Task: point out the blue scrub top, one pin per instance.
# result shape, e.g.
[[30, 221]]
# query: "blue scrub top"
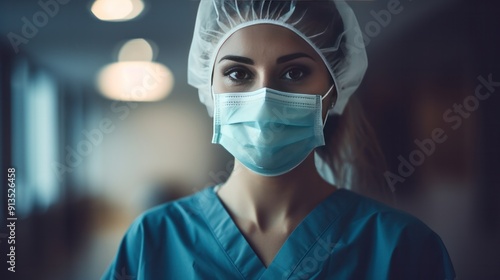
[[347, 236]]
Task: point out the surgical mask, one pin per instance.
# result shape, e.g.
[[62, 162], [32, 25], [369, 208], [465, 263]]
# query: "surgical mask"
[[270, 132]]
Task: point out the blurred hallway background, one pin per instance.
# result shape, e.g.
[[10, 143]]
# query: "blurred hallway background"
[[87, 163]]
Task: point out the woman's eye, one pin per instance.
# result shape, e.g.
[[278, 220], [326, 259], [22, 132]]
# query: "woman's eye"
[[237, 74], [294, 74]]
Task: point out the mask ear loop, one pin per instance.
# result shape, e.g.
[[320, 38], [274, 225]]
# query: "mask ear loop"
[[331, 106], [212, 93]]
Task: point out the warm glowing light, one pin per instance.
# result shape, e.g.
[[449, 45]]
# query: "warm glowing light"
[[117, 10], [136, 49], [137, 8], [135, 81]]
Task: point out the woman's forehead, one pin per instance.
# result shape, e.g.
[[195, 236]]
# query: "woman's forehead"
[[265, 41]]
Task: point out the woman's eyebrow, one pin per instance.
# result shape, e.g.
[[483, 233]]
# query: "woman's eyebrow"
[[292, 56], [236, 58]]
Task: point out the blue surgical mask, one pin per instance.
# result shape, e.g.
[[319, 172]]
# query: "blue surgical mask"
[[270, 132]]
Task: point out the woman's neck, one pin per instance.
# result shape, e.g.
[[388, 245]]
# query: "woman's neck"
[[271, 202]]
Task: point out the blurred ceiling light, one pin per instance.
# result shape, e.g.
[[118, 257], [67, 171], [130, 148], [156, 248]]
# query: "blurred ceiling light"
[[137, 8], [135, 77], [117, 10], [136, 49], [135, 81]]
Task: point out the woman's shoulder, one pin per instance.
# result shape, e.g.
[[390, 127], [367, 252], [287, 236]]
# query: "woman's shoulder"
[[410, 243], [382, 216], [177, 211]]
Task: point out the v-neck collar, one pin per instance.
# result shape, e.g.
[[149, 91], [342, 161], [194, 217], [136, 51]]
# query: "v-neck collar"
[[296, 246]]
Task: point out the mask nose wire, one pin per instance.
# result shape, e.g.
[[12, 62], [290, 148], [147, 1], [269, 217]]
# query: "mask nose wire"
[[322, 98]]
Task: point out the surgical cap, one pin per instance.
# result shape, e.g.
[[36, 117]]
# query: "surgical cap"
[[328, 26]]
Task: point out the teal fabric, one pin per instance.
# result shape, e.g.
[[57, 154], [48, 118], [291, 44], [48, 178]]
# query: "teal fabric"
[[347, 236]]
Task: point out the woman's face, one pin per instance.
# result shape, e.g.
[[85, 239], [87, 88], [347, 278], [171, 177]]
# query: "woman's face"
[[266, 55]]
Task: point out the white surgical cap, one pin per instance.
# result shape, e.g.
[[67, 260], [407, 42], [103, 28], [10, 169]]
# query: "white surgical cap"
[[343, 52]]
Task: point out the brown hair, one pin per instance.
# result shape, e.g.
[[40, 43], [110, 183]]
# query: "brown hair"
[[353, 153]]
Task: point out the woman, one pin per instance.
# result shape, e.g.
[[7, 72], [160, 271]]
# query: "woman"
[[270, 73]]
